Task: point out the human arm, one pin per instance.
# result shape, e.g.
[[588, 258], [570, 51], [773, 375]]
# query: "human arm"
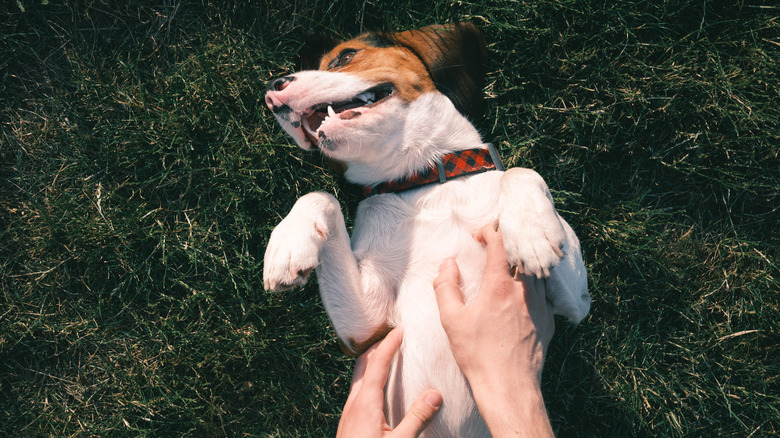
[[363, 415], [499, 341]]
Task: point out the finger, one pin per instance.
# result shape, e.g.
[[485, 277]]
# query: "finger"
[[360, 365], [357, 375], [419, 414], [494, 248], [447, 288], [379, 357]]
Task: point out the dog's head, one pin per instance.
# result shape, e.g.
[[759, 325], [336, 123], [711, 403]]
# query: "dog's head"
[[358, 100]]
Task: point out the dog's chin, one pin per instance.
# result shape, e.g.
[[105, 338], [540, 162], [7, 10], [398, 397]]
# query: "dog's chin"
[[309, 141], [317, 141], [327, 145]]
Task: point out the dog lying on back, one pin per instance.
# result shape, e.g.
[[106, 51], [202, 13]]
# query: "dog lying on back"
[[392, 107]]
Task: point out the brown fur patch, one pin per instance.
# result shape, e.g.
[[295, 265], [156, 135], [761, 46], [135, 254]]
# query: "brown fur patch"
[[396, 65], [449, 58], [455, 56], [360, 348]]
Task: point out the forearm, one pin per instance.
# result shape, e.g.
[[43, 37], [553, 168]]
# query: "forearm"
[[511, 407]]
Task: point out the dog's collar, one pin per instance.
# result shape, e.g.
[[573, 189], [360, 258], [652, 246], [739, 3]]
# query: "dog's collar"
[[447, 167]]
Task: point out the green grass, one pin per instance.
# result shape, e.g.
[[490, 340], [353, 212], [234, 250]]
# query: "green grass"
[[141, 175]]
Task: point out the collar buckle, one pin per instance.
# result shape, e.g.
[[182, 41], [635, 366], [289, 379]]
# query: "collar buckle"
[[442, 172]]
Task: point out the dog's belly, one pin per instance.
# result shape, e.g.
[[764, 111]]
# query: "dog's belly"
[[425, 361], [441, 229]]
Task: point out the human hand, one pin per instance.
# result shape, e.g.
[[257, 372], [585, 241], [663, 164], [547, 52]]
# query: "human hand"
[[509, 324], [363, 414], [499, 341]]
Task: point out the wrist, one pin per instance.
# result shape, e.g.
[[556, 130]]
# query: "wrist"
[[511, 387], [511, 405], [494, 377]]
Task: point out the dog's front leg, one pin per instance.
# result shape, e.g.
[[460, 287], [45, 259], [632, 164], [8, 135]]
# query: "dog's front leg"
[[540, 243], [534, 237], [313, 236]]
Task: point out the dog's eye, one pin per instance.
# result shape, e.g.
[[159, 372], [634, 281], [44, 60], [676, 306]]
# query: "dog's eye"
[[344, 58]]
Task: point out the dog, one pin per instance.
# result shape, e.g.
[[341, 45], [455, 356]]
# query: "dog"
[[393, 108]]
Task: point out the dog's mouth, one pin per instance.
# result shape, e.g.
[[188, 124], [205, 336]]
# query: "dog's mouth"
[[344, 110]]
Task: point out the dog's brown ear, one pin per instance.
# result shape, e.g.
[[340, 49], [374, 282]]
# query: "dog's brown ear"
[[313, 47], [456, 57]]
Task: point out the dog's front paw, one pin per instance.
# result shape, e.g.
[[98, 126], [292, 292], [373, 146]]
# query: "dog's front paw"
[[293, 252], [534, 248], [533, 234]]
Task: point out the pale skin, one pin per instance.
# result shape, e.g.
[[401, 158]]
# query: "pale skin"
[[363, 415], [499, 341]]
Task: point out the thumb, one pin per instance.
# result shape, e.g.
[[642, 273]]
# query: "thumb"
[[419, 415]]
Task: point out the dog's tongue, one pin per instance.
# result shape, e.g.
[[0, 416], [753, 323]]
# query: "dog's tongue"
[[317, 117], [315, 120], [348, 114]]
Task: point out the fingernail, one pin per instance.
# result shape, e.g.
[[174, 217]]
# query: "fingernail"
[[446, 263], [433, 398]]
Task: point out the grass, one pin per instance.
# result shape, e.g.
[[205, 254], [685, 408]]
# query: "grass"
[[141, 175]]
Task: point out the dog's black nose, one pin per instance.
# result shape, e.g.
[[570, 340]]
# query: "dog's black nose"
[[275, 99], [281, 83]]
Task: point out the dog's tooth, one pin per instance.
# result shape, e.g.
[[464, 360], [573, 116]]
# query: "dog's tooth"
[[366, 97], [331, 112]]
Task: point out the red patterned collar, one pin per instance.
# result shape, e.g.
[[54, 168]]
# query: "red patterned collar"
[[449, 166]]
